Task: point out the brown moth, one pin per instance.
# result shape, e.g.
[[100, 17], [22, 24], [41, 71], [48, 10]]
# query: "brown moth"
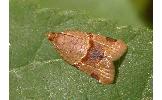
[[90, 53]]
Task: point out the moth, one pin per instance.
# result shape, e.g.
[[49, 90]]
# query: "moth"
[[91, 53]]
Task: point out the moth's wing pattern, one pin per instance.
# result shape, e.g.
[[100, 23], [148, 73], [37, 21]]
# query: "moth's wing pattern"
[[114, 49], [105, 71]]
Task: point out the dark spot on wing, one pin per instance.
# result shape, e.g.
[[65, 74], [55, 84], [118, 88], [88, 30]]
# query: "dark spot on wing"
[[95, 54]]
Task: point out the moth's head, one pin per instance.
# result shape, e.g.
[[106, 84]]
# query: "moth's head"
[[52, 35]]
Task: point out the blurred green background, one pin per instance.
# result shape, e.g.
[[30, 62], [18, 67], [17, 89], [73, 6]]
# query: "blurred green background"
[[125, 12]]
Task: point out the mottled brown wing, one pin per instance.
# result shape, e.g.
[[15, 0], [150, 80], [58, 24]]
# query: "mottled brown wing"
[[97, 65], [71, 47], [90, 53], [104, 71]]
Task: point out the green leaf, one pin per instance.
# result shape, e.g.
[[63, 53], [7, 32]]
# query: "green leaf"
[[38, 73]]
